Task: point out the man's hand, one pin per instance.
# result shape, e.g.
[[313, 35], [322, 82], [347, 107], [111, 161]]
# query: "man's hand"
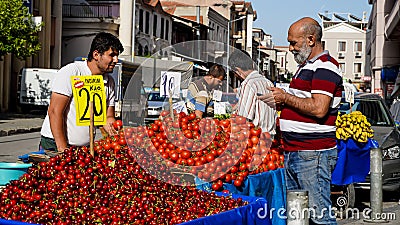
[[62, 150], [109, 127], [274, 98]]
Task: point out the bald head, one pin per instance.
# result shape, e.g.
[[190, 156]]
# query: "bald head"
[[307, 26]]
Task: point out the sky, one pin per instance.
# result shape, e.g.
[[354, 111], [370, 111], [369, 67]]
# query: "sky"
[[275, 16]]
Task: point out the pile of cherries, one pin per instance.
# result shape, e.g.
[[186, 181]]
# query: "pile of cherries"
[[109, 188]]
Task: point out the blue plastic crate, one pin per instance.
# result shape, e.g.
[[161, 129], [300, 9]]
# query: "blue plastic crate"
[[12, 171]]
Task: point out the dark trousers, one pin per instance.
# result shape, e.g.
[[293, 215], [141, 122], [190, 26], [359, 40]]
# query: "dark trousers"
[[47, 143]]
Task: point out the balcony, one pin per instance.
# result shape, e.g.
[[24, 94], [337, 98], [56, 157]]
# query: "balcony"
[[87, 11]]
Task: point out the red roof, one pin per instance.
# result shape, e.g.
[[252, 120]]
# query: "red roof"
[[170, 6], [173, 3], [151, 2], [193, 18]]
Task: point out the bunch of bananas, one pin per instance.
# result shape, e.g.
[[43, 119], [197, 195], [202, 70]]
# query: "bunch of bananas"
[[353, 125]]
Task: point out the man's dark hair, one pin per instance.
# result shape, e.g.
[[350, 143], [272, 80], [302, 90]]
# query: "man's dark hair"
[[102, 42], [240, 59], [217, 71]]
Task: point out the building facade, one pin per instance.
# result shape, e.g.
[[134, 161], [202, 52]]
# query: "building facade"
[[345, 37], [286, 64], [70, 25], [149, 33], [384, 45]]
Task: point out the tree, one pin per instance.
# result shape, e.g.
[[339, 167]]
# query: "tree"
[[18, 32]]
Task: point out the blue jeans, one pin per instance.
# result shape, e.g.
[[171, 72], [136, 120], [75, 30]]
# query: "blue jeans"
[[311, 171]]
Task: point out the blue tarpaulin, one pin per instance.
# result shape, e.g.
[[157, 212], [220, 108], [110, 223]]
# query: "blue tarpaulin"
[[269, 185], [353, 161], [12, 222], [255, 213]]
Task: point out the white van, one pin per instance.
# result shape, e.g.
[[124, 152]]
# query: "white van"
[[35, 87]]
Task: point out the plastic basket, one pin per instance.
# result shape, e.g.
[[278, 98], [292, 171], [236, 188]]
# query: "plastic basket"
[[12, 171]]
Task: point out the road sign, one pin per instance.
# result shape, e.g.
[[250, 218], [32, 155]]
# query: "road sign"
[[28, 4], [86, 89]]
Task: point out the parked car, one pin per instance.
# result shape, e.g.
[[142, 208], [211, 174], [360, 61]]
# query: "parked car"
[[155, 103], [386, 134]]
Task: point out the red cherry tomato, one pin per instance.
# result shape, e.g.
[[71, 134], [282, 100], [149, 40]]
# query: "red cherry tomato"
[[117, 124]]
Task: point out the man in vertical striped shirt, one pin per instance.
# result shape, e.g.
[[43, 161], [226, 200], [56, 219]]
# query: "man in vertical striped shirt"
[[253, 83], [307, 120]]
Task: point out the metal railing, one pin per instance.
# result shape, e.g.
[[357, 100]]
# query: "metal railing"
[[87, 11]]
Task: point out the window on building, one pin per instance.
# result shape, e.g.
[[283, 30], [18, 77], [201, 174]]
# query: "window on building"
[[141, 20], [341, 46], [357, 67], [218, 34], [214, 33], [342, 67], [162, 28], [140, 50], [239, 26], [166, 29], [282, 62], [147, 28], [358, 46], [155, 25]]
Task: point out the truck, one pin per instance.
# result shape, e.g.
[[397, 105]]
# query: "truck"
[[35, 88]]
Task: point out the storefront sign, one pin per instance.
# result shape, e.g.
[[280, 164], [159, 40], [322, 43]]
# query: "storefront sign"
[[378, 91], [28, 4], [366, 78]]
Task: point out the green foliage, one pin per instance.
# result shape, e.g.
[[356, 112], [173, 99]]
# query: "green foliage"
[[18, 33]]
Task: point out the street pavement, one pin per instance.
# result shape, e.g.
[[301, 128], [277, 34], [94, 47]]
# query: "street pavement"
[[18, 124]]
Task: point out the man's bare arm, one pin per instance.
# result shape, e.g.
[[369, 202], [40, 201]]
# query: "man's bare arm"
[[317, 105], [198, 113], [58, 104]]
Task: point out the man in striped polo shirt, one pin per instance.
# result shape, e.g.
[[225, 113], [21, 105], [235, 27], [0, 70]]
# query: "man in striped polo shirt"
[[253, 83], [307, 120]]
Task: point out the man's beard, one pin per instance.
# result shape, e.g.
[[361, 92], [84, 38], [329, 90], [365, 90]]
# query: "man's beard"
[[301, 56]]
